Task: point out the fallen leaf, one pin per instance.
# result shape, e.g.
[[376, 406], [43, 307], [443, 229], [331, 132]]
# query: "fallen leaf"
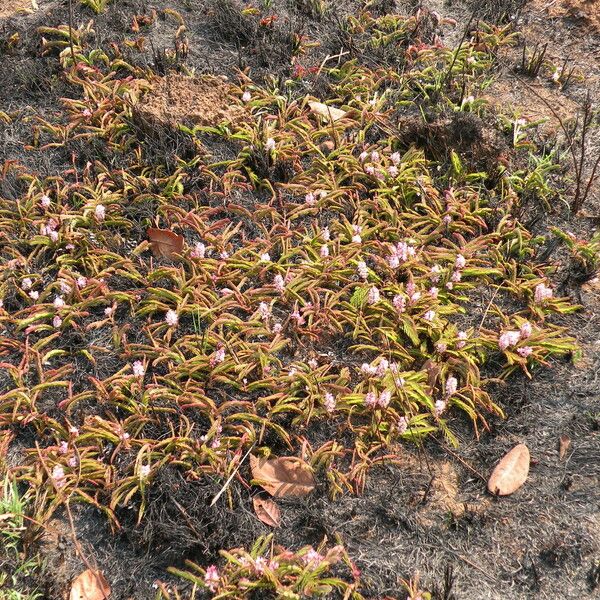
[[164, 242], [283, 477], [267, 511], [564, 443], [511, 472], [330, 112], [90, 585]]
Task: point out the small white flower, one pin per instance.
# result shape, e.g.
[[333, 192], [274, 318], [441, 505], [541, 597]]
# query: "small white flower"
[[56, 322], [138, 368], [373, 295], [199, 250], [451, 385], [526, 330], [264, 310], [429, 315], [363, 156], [374, 156], [108, 311], [34, 295], [542, 293], [270, 145], [393, 171], [279, 283], [246, 96], [329, 402], [171, 318], [440, 407], [26, 284], [460, 262], [402, 425], [144, 471], [58, 475], [325, 234], [265, 257], [100, 212], [361, 269], [45, 201], [508, 338], [310, 199], [81, 282], [324, 252], [58, 302], [395, 158], [385, 398]]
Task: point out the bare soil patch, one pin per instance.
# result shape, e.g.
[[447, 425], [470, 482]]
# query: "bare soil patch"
[[12, 7], [199, 101]]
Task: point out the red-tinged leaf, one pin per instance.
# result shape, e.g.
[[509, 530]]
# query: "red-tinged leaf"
[[164, 242], [511, 472], [267, 511], [90, 585], [283, 477]]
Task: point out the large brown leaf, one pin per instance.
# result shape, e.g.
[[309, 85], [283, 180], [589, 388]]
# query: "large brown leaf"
[[267, 511], [511, 472], [164, 242], [90, 585], [283, 477]]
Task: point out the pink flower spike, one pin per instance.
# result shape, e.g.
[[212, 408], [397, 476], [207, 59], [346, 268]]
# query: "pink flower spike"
[[362, 271], [525, 351], [100, 212], [34, 295], [138, 368], [26, 284], [246, 96], [211, 578], [45, 201], [526, 330], [329, 402], [58, 302], [460, 262], [279, 283], [373, 295], [371, 399], [81, 282], [508, 338], [440, 407], [56, 322], [310, 199], [402, 425], [58, 475], [542, 293], [324, 252], [385, 398], [399, 303], [451, 385], [429, 315], [199, 250], [270, 145], [395, 158]]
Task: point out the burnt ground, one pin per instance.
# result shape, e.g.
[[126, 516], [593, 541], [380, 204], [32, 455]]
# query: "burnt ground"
[[430, 513]]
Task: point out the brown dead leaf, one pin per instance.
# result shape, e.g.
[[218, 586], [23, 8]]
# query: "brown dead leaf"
[[283, 477], [164, 242], [267, 511], [511, 472], [90, 585], [564, 443], [329, 112]]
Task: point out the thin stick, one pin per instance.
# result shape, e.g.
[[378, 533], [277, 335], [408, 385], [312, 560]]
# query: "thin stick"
[[226, 485], [71, 31]]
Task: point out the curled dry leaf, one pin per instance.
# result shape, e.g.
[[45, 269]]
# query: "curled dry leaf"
[[564, 443], [164, 242], [267, 511], [329, 112], [511, 472], [90, 585], [283, 477]]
